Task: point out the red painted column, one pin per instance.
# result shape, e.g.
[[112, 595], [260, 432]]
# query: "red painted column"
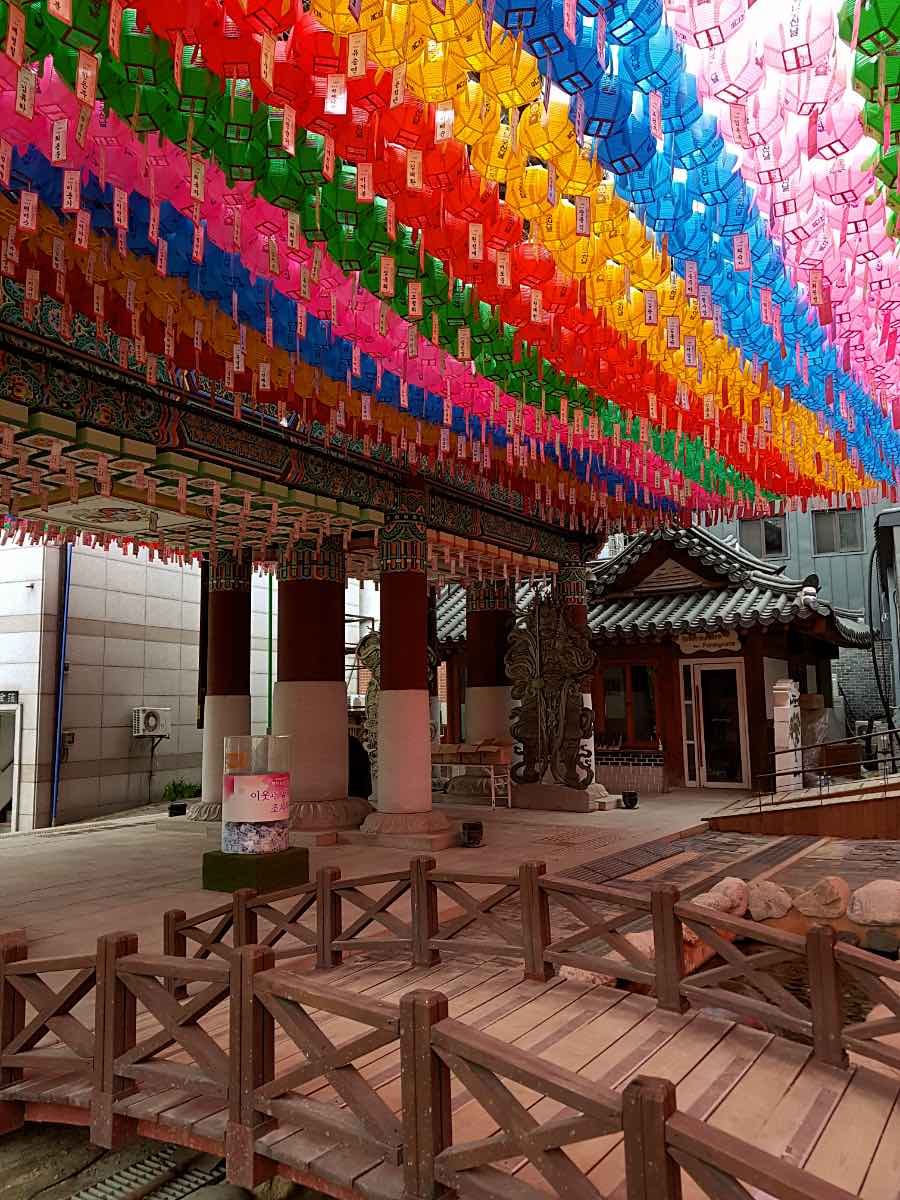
[[489, 615], [226, 710], [310, 695], [405, 816]]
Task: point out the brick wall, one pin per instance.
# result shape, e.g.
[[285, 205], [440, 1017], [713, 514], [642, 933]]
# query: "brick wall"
[[853, 672], [631, 770]]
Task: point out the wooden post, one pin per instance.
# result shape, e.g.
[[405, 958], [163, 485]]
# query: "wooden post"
[[243, 918], [825, 996], [423, 899], [668, 947], [328, 918], [13, 948], [535, 909], [425, 1092], [650, 1172], [115, 1031], [252, 1064], [175, 946]]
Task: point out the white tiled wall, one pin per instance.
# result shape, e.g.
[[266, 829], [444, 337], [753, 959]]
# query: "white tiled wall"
[[133, 640]]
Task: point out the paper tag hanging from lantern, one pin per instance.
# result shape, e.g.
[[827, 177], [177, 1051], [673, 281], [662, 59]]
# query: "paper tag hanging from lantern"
[[114, 28], [328, 160], [265, 377], [741, 251], [293, 231], [414, 303], [82, 229], [655, 107], [583, 216], [196, 245], [336, 95], [537, 308], [718, 327], [386, 272], [357, 55], [26, 86], [398, 85], [14, 46], [464, 342], [198, 179], [59, 137], [162, 257], [673, 333], [61, 9], [476, 241], [705, 301], [690, 350], [765, 305], [289, 130], [504, 270], [32, 285], [86, 79], [28, 211], [414, 175], [691, 278], [570, 26], [443, 122], [365, 185], [153, 224], [6, 155], [651, 307]]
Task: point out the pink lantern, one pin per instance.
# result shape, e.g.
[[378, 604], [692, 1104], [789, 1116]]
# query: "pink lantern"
[[817, 253], [838, 130], [731, 73], [789, 196], [706, 23], [869, 246], [844, 183], [805, 39], [773, 162], [808, 92], [763, 121], [799, 227]]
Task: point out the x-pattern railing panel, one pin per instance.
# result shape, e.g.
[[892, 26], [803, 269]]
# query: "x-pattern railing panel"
[[478, 915], [146, 978], [863, 1037], [210, 941], [52, 1017], [360, 1116], [287, 922], [375, 910], [601, 928], [485, 1066], [768, 996]]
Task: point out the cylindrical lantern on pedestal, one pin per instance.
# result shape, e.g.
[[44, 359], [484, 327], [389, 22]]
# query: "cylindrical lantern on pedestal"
[[256, 794]]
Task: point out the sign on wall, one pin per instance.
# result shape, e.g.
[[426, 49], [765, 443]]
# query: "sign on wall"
[[708, 643], [9, 697]]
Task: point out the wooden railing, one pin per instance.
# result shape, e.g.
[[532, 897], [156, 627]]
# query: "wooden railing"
[[543, 1120], [521, 916]]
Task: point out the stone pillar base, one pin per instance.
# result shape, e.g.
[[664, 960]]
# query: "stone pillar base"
[[405, 831], [327, 816]]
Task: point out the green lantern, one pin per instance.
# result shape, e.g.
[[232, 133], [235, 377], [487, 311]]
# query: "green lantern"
[[879, 24]]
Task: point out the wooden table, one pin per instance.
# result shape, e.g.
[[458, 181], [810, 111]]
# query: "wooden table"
[[494, 758]]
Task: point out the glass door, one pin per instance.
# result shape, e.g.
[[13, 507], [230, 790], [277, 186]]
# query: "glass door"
[[714, 723]]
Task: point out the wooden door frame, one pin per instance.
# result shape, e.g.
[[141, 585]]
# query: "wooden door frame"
[[696, 667]]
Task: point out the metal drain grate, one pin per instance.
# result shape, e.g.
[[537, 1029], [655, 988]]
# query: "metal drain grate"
[[166, 1174]]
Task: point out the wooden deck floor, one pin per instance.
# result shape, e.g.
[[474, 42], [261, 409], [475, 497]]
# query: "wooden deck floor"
[[843, 1126]]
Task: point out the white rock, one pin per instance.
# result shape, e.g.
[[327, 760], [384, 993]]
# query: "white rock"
[[876, 903], [768, 900], [827, 899], [735, 891]]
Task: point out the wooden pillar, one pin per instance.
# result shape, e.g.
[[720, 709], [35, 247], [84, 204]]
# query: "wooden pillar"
[[115, 1031], [226, 709], [404, 733], [425, 1091], [650, 1172], [310, 695], [252, 1064], [13, 949], [489, 614], [454, 698]]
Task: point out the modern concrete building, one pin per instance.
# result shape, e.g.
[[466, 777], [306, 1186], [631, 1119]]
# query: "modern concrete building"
[[132, 641]]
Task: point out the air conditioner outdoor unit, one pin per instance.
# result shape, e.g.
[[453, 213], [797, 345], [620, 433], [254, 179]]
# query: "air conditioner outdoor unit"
[[151, 722]]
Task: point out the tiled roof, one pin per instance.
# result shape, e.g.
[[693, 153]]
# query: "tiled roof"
[[758, 594]]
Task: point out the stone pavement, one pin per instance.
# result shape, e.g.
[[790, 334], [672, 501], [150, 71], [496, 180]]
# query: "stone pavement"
[[66, 887]]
